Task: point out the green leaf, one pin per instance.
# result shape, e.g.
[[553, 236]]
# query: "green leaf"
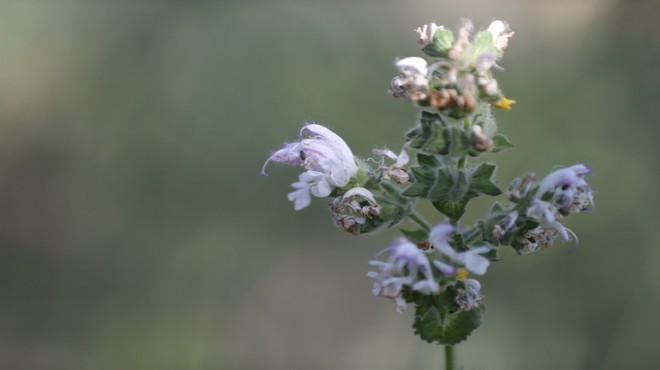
[[430, 136], [427, 160], [461, 143], [500, 143], [424, 174], [480, 180], [438, 320], [452, 209], [417, 190], [496, 208], [440, 44], [483, 42], [450, 194]]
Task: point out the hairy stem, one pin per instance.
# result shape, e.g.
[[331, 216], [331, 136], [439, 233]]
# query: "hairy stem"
[[420, 221]]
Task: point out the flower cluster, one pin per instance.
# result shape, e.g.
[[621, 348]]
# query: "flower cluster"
[[534, 223], [432, 268], [428, 268], [460, 76], [328, 161], [361, 202]]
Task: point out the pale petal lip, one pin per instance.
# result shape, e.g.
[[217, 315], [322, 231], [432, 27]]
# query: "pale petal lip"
[[440, 234], [412, 66]]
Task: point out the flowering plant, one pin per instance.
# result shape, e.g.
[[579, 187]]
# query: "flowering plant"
[[429, 266]]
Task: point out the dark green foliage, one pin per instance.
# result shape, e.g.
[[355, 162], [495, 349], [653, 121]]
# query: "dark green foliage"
[[439, 320]]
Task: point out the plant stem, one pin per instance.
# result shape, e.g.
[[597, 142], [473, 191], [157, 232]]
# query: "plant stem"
[[420, 221], [461, 163], [450, 361]]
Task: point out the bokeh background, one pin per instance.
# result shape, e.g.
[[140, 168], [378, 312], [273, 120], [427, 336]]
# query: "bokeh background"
[[135, 232]]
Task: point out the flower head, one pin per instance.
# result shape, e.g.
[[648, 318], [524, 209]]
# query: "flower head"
[[501, 34], [412, 82], [570, 192], [395, 172], [351, 210], [326, 157], [406, 266], [461, 77], [468, 296], [471, 259], [426, 32]]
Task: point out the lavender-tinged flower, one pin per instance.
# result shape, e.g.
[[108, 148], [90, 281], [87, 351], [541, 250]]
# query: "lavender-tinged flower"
[[468, 297], [520, 188], [564, 190], [352, 209], [326, 157], [547, 216], [395, 172], [505, 225], [407, 266], [471, 259], [570, 192]]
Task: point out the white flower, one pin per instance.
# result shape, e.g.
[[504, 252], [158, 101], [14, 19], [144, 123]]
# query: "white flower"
[[471, 259], [326, 157], [412, 82], [403, 267], [501, 34], [426, 32], [547, 216], [395, 172], [352, 209], [412, 66]]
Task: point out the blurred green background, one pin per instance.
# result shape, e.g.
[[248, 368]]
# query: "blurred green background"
[[136, 233]]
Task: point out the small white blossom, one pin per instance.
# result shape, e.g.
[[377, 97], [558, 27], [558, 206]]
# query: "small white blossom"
[[481, 141], [547, 216], [326, 157], [462, 42], [426, 32], [501, 34], [412, 66], [506, 224], [471, 259], [412, 82], [395, 172], [352, 209], [407, 266]]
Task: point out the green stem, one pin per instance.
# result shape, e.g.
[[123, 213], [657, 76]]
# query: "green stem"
[[420, 221], [461, 163], [450, 360]]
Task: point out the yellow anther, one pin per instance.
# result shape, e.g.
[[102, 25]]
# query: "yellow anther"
[[461, 273], [504, 103]]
